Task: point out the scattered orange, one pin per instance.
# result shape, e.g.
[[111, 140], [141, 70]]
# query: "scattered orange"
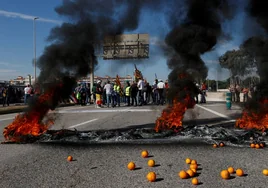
[[131, 166], [151, 176], [231, 170], [144, 154], [193, 162], [194, 170], [183, 175], [239, 172], [69, 158], [195, 181], [225, 174], [261, 145], [257, 146], [265, 172], [193, 166], [222, 144], [252, 145], [151, 163], [190, 172], [188, 161], [215, 145]]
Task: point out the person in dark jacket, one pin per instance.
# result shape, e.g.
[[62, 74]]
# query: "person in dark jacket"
[[133, 93]]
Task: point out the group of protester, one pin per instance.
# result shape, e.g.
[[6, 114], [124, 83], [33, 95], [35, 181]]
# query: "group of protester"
[[10, 94], [236, 90], [112, 94]]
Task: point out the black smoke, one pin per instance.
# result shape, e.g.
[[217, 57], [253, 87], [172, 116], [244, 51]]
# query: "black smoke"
[[197, 35], [73, 44], [257, 46]]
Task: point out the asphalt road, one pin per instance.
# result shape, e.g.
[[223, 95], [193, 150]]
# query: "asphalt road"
[[104, 165]]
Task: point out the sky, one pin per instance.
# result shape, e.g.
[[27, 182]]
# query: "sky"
[[17, 44]]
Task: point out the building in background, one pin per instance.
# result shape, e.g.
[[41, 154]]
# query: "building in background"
[[22, 81], [104, 79]]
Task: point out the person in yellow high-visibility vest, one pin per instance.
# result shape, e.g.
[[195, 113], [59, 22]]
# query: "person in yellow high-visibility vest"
[[127, 92], [117, 90]]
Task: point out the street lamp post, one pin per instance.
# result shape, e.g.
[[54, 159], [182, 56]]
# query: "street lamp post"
[[34, 31]]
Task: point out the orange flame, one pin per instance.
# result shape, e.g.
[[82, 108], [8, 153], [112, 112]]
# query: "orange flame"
[[173, 115], [30, 123], [255, 119]]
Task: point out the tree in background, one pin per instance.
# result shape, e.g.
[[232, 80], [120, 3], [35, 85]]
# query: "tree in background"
[[240, 63]]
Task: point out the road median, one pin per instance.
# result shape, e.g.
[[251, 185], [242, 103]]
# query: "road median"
[[21, 108]]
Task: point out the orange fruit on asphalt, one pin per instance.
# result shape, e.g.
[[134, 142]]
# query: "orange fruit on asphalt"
[[195, 181], [193, 166], [225, 174], [144, 154], [131, 166], [188, 161], [215, 145], [265, 172], [231, 170], [69, 158], [222, 144], [239, 172], [194, 170], [151, 176], [190, 172], [193, 162], [261, 145], [183, 175], [151, 163], [257, 146], [252, 145]]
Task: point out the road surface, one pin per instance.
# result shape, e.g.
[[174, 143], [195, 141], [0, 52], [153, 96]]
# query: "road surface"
[[104, 164]]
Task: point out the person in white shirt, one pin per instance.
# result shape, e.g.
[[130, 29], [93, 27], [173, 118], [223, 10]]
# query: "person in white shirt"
[[108, 89], [27, 92], [141, 85], [160, 88]]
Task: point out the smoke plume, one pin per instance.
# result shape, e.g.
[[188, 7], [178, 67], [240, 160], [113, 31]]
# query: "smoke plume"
[[73, 44], [197, 35], [257, 46]]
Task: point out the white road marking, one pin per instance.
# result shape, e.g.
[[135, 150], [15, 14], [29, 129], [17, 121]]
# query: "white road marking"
[[213, 112], [77, 125], [112, 110], [6, 119]]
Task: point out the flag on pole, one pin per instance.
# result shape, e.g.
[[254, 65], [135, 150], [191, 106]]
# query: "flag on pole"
[[137, 74]]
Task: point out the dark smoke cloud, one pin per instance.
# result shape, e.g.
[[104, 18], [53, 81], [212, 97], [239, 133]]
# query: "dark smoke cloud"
[[73, 44], [257, 46], [195, 36], [258, 9]]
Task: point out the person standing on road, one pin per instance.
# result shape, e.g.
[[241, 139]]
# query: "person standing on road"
[[27, 92], [141, 85], [108, 90], [99, 91], [133, 93], [245, 94], [160, 88], [127, 92], [5, 96], [203, 92]]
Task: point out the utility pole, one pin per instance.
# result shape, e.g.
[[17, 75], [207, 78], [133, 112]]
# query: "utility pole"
[[34, 31]]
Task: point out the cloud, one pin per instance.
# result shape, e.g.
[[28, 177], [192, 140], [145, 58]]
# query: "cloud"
[[7, 70], [27, 17], [157, 41], [6, 64]]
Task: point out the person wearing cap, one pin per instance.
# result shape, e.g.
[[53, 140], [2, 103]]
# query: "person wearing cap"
[[160, 88]]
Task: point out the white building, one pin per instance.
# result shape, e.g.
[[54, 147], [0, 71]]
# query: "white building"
[[20, 80]]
